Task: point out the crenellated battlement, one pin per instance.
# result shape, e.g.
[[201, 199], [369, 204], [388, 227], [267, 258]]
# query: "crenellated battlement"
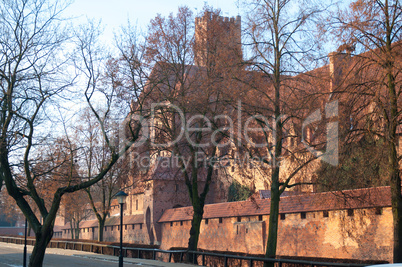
[[208, 16], [217, 38]]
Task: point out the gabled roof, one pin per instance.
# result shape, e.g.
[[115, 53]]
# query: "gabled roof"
[[337, 200], [114, 220]]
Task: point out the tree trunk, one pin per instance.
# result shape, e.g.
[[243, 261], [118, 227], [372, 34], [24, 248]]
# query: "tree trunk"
[[395, 184], [275, 187], [195, 229], [198, 202], [395, 181], [391, 133], [273, 219], [38, 252], [72, 230], [396, 200], [77, 231], [101, 224]]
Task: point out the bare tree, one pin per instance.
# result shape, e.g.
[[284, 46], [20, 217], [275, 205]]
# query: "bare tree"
[[93, 156], [188, 116], [75, 211], [277, 32], [33, 73], [120, 83], [371, 30]]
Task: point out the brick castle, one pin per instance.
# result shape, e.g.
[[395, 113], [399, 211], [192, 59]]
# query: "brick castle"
[[348, 224]]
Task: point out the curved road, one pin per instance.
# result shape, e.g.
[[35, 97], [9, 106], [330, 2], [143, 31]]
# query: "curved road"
[[11, 256]]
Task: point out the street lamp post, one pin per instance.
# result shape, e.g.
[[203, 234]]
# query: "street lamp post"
[[25, 244], [121, 198]]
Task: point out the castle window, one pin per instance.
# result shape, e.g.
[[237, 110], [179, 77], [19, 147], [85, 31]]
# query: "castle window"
[[283, 216], [325, 213], [350, 212], [206, 221], [220, 220], [136, 204], [171, 223], [125, 228], [378, 211], [105, 228], [181, 222], [140, 225], [133, 226], [260, 217], [302, 215], [111, 228], [238, 219]]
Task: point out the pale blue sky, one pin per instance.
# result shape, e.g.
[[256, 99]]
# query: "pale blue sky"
[[115, 13]]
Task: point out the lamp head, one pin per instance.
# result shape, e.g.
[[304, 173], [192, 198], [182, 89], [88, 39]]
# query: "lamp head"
[[121, 197]]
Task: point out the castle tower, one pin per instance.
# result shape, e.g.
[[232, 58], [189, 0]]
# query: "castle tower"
[[217, 40], [337, 67]]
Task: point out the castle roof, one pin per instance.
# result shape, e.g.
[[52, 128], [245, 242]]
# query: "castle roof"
[[336, 200]]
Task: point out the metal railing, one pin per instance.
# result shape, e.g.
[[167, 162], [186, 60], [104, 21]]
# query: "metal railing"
[[151, 253], [251, 260]]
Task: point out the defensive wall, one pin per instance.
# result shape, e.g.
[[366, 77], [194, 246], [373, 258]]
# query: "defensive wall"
[[352, 224], [134, 230]]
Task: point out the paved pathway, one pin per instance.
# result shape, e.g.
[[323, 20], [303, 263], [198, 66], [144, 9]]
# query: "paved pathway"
[[11, 256]]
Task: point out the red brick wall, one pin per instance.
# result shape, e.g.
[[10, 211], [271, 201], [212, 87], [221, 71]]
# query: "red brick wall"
[[137, 235], [364, 235], [165, 195]]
